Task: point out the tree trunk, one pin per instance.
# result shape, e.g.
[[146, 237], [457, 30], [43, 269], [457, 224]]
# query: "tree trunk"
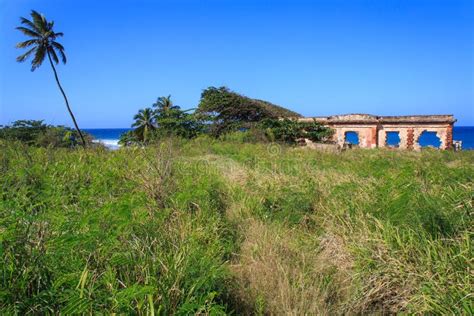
[[67, 103]]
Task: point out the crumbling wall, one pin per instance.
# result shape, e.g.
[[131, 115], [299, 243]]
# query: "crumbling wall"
[[372, 130], [441, 133], [402, 133], [367, 134], [410, 135]]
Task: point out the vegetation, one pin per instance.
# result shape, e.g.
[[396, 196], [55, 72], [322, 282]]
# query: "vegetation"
[[179, 123], [290, 130], [164, 105], [144, 124], [214, 217], [43, 43], [220, 113], [230, 111], [166, 119], [172, 121], [36, 133], [212, 226]]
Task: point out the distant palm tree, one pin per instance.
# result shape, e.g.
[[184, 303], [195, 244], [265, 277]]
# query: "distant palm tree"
[[164, 105], [144, 123], [43, 43]]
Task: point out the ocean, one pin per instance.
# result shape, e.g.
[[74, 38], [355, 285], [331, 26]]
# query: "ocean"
[[107, 136], [110, 136]]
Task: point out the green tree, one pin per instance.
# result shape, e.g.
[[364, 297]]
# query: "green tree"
[[25, 131], [43, 43], [36, 133], [166, 119], [144, 123], [171, 120], [228, 110], [179, 123], [128, 138], [164, 105]]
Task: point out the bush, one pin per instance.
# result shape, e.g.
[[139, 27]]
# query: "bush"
[[35, 133], [290, 130]]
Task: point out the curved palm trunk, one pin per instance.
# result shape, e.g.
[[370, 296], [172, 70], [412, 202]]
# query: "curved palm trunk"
[[67, 103], [145, 134]]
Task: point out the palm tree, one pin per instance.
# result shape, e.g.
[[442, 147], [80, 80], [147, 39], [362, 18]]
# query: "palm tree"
[[164, 105], [144, 123], [43, 43]]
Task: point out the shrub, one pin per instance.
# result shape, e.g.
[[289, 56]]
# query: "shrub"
[[290, 130], [36, 133]]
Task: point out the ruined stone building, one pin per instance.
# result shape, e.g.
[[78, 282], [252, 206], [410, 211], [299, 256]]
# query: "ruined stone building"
[[372, 131]]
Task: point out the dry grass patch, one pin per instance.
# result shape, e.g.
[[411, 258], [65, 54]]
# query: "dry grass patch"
[[231, 170], [381, 280], [285, 271]]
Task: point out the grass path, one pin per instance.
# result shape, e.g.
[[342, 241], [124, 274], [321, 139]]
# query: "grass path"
[[320, 262], [283, 269]]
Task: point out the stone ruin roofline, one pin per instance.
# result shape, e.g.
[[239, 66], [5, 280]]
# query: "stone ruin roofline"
[[375, 119]]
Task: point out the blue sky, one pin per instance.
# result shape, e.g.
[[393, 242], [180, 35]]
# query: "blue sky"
[[390, 57]]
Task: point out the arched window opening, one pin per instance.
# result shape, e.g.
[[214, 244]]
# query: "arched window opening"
[[429, 139], [351, 138], [393, 139]]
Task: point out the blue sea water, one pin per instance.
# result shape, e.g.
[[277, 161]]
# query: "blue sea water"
[[464, 134], [110, 136], [107, 136]]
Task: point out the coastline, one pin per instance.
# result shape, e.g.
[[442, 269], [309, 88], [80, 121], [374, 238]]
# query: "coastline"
[[109, 143], [109, 137]]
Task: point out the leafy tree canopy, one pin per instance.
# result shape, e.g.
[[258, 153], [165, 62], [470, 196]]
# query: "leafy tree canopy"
[[164, 119], [228, 110], [36, 133], [179, 123]]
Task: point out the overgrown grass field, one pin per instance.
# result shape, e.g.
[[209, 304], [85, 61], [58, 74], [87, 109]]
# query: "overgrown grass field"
[[218, 227]]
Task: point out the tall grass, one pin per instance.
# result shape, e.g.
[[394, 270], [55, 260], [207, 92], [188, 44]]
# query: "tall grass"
[[208, 226], [78, 235]]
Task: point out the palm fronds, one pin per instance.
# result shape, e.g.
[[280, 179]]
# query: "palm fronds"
[[43, 40], [144, 123]]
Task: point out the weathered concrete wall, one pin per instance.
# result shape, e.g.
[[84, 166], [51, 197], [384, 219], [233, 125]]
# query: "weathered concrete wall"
[[410, 135], [320, 146], [441, 132], [372, 130], [402, 133], [367, 134]]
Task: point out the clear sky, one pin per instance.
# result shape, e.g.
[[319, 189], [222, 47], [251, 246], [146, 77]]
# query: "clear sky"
[[385, 57]]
